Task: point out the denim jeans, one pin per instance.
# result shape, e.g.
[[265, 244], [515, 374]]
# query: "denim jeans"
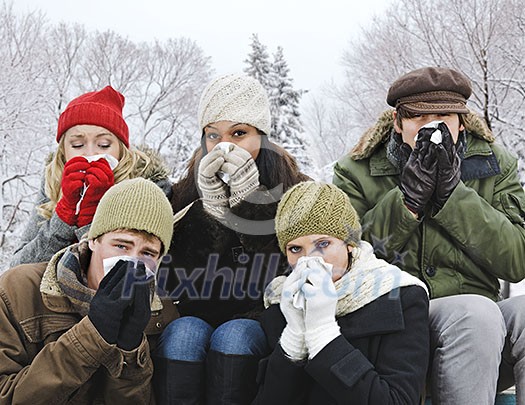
[[478, 347], [189, 339]]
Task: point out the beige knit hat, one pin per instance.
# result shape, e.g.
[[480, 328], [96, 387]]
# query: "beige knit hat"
[[237, 98], [137, 204], [310, 208]]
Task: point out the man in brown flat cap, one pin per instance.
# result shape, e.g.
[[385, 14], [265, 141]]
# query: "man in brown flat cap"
[[440, 199]]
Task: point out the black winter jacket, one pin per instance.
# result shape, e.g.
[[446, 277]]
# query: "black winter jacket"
[[380, 358]]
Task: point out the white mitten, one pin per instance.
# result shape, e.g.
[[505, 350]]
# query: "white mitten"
[[243, 174], [321, 301], [292, 338], [214, 191]]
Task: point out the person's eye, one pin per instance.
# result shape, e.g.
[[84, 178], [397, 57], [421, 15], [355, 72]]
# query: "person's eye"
[[323, 244], [120, 246], [239, 133], [294, 249], [148, 254], [77, 145], [104, 145], [212, 136]]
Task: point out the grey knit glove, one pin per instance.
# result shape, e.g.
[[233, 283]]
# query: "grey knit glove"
[[243, 172], [214, 190]]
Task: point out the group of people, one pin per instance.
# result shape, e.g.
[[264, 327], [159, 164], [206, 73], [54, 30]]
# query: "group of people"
[[247, 282]]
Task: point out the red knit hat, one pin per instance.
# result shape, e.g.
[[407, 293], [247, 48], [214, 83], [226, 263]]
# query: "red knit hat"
[[102, 108]]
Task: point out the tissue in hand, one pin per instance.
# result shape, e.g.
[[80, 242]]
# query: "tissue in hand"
[[226, 147], [112, 161], [303, 263], [111, 261]]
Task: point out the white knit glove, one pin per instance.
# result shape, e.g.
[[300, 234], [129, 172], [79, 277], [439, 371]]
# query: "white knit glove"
[[243, 172], [321, 302], [214, 191], [292, 338]]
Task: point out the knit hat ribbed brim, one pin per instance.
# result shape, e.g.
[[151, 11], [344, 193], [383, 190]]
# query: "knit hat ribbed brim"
[[311, 208], [236, 98], [135, 204], [102, 108]]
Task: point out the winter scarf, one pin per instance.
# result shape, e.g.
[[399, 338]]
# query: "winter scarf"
[[368, 279]]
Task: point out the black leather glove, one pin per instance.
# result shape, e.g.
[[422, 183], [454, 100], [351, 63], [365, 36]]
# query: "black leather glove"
[[419, 176], [449, 168], [108, 305], [138, 313]]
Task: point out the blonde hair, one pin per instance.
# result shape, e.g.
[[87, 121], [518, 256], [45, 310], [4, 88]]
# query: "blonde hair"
[[132, 163]]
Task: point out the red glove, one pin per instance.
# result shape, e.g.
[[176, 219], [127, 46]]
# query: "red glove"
[[72, 184], [99, 178]]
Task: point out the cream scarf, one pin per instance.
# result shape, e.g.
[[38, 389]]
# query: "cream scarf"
[[368, 279]]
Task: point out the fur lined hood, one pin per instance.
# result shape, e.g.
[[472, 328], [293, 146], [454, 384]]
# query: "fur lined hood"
[[380, 131]]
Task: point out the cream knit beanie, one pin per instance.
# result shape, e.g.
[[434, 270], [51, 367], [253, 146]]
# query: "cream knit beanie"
[[136, 204], [310, 208], [237, 98]]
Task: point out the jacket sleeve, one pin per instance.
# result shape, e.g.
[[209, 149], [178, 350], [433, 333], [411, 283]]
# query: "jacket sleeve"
[[133, 384], [280, 380], [58, 370], [42, 237], [399, 372], [473, 223], [387, 223]]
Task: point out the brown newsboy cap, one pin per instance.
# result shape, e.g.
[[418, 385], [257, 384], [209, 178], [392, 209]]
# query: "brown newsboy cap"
[[431, 90]]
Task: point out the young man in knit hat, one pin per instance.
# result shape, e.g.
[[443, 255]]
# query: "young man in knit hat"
[[438, 198], [74, 330]]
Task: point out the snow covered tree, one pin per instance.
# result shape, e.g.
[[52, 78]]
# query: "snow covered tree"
[[258, 62], [287, 128]]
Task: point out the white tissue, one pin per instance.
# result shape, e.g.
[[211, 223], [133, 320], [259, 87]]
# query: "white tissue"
[[112, 161], [437, 136], [303, 263], [110, 262], [226, 147]]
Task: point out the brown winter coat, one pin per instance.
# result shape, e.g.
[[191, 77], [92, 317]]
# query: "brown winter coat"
[[49, 354]]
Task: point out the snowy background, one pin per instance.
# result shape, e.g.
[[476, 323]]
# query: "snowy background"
[[326, 67]]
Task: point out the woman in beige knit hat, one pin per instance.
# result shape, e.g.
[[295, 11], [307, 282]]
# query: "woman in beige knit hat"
[[224, 249], [344, 326], [93, 154]]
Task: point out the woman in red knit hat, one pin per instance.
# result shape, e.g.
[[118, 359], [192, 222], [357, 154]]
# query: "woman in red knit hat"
[[93, 154]]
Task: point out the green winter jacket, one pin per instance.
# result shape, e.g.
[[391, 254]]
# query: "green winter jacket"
[[477, 237]]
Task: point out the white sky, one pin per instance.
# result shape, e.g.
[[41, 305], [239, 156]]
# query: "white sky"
[[312, 33]]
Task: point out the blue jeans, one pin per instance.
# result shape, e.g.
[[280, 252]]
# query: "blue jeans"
[[189, 339]]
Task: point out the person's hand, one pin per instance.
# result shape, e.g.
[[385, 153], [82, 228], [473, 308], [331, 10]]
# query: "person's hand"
[[137, 315], [99, 178], [292, 339], [449, 168], [110, 301], [321, 303], [214, 190], [419, 176], [243, 172], [72, 186]]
